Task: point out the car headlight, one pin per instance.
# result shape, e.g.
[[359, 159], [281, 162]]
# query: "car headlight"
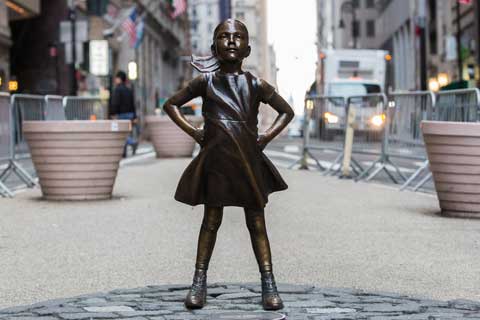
[[330, 117], [378, 120]]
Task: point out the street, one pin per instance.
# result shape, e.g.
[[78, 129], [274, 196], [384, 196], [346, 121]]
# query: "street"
[[324, 231]]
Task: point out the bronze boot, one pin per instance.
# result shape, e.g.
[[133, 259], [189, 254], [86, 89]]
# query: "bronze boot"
[[197, 296], [270, 298]]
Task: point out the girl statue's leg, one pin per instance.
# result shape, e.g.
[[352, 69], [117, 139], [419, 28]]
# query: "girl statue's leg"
[[212, 220], [261, 246]]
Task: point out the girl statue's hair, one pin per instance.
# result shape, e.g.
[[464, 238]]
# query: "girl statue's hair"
[[210, 63]]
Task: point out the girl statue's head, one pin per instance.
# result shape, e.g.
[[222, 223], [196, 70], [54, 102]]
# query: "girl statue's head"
[[230, 46], [230, 41]]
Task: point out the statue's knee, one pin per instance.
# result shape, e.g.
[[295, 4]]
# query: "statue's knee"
[[211, 225], [256, 224]]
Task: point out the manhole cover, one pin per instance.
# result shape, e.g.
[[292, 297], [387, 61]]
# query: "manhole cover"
[[247, 316]]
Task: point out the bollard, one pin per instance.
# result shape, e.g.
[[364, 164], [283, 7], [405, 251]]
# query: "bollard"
[[347, 155]]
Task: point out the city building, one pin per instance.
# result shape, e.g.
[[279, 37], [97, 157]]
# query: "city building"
[[355, 23], [422, 36], [261, 61], [204, 16], [36, 47], [12, 11]]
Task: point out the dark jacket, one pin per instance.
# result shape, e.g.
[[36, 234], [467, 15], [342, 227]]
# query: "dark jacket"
[[122, 100]]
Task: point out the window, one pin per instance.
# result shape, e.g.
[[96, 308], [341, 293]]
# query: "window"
[[240, 16], [356, 3], [370, 4], [356, 29], [209, 10], [194, 25], [370, 28]]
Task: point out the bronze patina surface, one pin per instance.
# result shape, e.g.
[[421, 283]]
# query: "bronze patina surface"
[[231, 168]]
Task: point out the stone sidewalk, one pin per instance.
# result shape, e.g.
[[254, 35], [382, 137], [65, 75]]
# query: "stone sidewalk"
[[301, 303]]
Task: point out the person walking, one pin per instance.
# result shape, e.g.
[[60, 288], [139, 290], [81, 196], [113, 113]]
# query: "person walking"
[[123, 108]]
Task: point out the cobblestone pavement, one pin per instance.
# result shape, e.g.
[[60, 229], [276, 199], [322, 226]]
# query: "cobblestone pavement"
[[301, 302]]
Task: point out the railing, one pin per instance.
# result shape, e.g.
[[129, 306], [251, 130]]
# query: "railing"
[[397, 136], [5, 137], [85, 108]]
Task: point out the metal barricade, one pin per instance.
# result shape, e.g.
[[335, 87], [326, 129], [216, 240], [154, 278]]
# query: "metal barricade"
[[54, 108], [404, 138], [5, 138], [85, 108], [25, 107], [369, 135], [458, 105], [323, 128], [22, 107]]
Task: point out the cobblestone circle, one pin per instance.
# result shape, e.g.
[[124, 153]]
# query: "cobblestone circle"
[[165, 302]]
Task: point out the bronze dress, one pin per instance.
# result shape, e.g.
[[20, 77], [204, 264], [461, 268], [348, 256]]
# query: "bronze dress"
[[231, 169]]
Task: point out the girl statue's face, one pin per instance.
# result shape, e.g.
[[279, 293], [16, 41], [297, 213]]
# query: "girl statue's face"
[[231, 42]]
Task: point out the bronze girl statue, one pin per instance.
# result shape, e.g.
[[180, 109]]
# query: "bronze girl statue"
[[231, 169]]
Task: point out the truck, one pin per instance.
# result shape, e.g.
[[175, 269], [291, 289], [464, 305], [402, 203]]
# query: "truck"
[[352, 72]]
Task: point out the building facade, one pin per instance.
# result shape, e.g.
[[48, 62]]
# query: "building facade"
[[421, 35], [11, 11]]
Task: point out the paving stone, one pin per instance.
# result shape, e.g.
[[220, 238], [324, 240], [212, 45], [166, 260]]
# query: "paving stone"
[[88, 315], [215, 292], [32, 318], [18, 309], [93, 302], [56, 310], [310, 303], [239, 295], [385, 307], [337, 316], [135, 290], [330, 310], [126, 297], [108, 309], [128, 314]]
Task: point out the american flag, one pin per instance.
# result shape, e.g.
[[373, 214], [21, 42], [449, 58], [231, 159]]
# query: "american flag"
[[129, 25], [180, 6]]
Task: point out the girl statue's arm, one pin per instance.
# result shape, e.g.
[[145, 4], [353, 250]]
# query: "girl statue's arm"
[[285, 115], [172, 108]]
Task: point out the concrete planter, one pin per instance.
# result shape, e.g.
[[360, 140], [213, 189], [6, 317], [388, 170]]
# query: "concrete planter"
[[76, 160], [454, 153], [168, 139]]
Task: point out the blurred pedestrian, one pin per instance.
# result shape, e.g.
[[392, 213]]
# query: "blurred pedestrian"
[[123, 108]]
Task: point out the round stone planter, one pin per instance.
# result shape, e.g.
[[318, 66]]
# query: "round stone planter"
[[76, 160], [168, 139], [454, 153]]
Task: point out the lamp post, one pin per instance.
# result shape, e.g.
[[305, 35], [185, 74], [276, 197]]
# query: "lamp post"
[[350, 7]]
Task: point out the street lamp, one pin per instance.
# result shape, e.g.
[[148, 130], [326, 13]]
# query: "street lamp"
[[349, 7]]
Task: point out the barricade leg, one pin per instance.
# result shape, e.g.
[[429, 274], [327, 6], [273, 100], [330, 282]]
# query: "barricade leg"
[[423, 181], [21, 173], [366, 171], [337, 161], [4, 191], [415, 175], [303, 161]]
